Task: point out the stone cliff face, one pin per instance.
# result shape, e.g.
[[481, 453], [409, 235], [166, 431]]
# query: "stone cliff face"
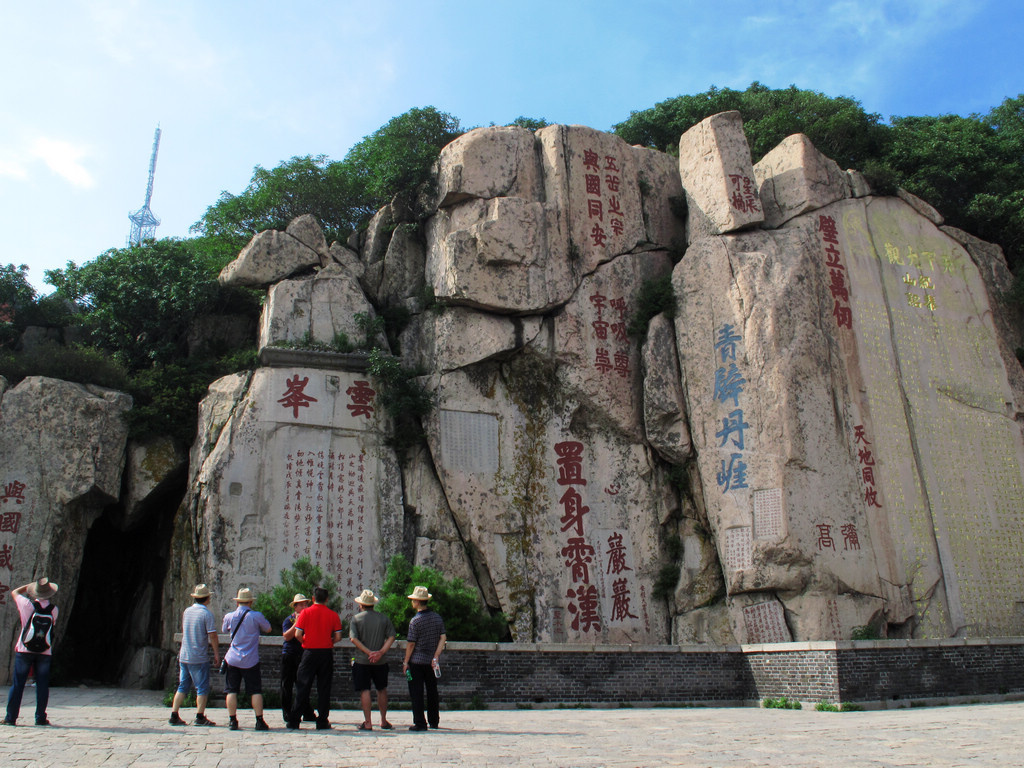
[[824, 437]]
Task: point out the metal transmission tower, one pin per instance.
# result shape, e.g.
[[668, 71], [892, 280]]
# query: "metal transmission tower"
[[144, 223]]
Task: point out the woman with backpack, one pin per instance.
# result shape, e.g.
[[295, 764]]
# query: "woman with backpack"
[[33, 649]]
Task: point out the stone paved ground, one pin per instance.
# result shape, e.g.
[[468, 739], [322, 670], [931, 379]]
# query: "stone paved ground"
[[94, 727]]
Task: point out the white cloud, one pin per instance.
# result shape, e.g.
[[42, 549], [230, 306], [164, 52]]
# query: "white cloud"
[[63, 158]]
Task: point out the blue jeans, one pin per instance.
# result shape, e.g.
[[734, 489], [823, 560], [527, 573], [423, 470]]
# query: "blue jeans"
[[23, 662], [194, 674]]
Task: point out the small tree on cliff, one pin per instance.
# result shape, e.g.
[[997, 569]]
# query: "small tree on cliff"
[[465, 617]]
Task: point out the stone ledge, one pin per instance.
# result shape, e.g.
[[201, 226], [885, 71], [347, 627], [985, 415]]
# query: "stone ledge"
[[796, 647], [285, 357]]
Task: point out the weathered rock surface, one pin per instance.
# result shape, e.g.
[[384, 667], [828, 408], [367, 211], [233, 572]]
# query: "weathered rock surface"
[[489, 162], [62, 452], [316, 308], [826, 436], [152, 465], [718, 176], [273, 255], [774, 464], [795, 178], [292, 465]]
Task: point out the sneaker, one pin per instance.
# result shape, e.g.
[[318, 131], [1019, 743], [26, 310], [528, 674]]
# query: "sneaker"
[[261, 724], [175, 719], [202, 719], [232, 723], [44, 721]]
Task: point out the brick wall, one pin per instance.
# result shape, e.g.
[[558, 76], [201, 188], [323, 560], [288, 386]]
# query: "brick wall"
[[868, 672]]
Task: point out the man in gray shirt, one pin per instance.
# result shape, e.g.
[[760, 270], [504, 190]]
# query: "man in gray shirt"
[[198, 633], [372, 634]]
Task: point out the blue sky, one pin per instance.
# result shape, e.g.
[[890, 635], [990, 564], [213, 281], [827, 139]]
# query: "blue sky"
[[239, 84]]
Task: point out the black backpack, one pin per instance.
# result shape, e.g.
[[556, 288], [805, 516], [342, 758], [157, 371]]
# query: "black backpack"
[[38, 629]]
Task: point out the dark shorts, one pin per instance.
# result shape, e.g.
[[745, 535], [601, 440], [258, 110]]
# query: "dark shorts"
[[364, 674], [251, 676]]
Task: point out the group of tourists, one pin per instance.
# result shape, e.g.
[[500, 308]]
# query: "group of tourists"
[[310, 634]]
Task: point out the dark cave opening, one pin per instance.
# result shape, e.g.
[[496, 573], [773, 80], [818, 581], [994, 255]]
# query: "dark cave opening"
[[117, 608]]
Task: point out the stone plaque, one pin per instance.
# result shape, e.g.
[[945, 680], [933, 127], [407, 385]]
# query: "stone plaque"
[[738, 548], [469, 441], [325, 515], [765, 623], [769, 522]]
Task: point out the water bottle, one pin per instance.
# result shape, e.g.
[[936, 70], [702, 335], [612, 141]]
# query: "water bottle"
[[408, 675], [436, 666]]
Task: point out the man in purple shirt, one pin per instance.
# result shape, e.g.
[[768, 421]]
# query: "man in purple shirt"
[[243, 658]]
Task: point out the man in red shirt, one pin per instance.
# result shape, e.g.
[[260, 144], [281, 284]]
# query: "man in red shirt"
[[318, 628]]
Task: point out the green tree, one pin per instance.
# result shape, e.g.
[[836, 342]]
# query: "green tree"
[[970, 168], [343, 194], [309, 184], [302, 577], [465, 617], [533, 123], [16, 297], [838, 126], [138, 302], [399, 155]]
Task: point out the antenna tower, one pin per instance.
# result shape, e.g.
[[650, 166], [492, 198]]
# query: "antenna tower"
[[144, 223]]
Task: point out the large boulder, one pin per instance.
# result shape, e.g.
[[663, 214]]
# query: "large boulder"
[[316, 309], [718, 176], [795, 178], [62, 453], [489, 162], [273, 255]]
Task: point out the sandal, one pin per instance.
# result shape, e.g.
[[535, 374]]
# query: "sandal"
[[386, 726], [364, 727]]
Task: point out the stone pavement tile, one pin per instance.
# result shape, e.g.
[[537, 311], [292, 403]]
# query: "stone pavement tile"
[[129, 728]]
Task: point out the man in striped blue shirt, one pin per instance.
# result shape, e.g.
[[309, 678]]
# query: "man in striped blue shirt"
[[198, 633]]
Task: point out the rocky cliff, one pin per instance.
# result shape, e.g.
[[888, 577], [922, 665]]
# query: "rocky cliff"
[[819, 437], [823, 436]]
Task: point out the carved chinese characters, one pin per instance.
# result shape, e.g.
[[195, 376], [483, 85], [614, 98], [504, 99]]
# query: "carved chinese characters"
[[306, 477]]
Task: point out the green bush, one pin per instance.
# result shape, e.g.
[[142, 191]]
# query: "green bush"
[[402, 397], [781, 703], [465, 617], [302, 577], [655, 297], [85, 365], [825, 706]]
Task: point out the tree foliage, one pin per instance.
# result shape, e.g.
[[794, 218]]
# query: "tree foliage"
[[465, 617], [138, 302], [399, 155], [839, 126], [343, 194], [302, 578], [970, 168]]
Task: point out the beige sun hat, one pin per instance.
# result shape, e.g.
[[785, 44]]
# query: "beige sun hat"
[[300, 598], [244, 595], [420, 593], [367, 598], [43, 589], [201, 590]]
